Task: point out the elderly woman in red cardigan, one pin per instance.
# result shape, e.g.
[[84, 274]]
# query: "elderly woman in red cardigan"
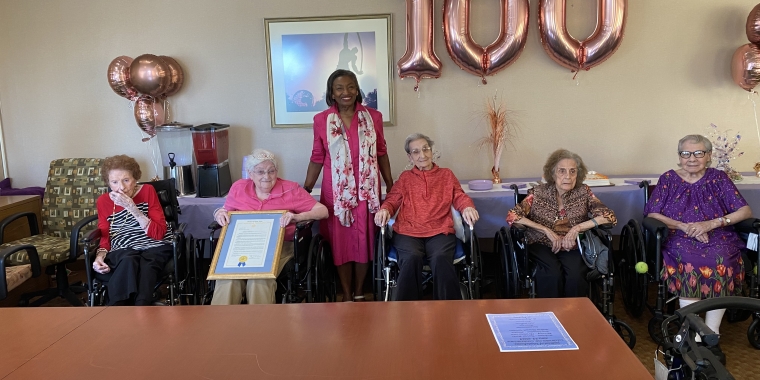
[[424, 228]]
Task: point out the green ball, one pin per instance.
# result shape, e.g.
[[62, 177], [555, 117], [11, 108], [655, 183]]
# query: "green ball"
[[642, 267]]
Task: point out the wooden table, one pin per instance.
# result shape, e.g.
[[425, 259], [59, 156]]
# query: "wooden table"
[[397, 340], [12, 204], [26, 332]]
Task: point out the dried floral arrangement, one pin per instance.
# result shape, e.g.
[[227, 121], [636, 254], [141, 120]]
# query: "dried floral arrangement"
[[724, 150], [502, 130]]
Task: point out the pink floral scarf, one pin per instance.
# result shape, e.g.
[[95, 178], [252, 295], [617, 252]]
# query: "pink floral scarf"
[[343, 184]]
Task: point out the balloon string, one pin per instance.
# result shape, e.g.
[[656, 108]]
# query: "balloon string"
[[754, 108]]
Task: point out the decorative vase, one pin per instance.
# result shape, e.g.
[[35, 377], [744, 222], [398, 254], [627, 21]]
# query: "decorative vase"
[[495, 174]]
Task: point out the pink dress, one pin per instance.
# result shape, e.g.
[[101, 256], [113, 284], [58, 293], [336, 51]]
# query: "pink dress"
[[356, 242]]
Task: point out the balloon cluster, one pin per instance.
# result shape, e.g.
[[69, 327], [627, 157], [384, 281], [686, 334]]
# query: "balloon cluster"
[[745, 65], [146, 80]]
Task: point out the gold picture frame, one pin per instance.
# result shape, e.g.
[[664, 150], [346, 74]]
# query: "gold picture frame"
[[249, 246]]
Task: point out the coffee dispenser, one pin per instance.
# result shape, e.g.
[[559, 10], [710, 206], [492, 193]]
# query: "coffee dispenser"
[[211, 144], [176, 147]]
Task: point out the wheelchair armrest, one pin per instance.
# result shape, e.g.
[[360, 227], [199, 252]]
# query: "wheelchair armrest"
[[655, 227], [644, 183], [304, 224], [605, 226], [214, 226], [30, 217], [74, 245], [180, 229], [748, 225], [91, 237]]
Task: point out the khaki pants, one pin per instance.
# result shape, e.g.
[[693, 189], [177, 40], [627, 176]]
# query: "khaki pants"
[[257, 291]]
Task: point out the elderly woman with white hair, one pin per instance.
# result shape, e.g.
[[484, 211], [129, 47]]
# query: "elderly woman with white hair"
[[424, 228], [263, 190]]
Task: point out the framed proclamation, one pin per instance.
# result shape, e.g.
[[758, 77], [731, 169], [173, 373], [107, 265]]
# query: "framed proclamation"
[[249, 246]]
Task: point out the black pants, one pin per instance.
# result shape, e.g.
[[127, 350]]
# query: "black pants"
[[135, 273], [439, 251], [559, 275]]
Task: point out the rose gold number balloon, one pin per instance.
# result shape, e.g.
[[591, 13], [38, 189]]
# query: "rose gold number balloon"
[[420, 60], [177, 76], [150, 75], [472, 57], [118, 78], [574, 54], [149, 112], [753, 25], [745, 66]]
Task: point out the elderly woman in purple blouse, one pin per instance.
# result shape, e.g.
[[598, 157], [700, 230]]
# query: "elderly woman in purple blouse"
[[702, 254]]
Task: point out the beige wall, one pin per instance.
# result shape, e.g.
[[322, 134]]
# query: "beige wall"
[[670, 77]]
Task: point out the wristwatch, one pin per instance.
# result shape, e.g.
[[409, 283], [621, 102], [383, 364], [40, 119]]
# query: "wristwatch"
[[727, 220]]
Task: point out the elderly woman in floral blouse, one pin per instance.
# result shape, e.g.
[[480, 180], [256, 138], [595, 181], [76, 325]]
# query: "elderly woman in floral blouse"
[[702, 254], [555, 213]]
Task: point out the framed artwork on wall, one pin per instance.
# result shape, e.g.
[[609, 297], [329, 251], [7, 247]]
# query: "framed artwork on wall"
[[303, 52]]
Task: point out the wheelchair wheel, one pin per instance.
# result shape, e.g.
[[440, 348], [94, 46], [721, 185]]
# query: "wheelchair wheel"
[[655, 329], [380, 283], [321, 285], [739, 315], [511, 287], [753, 333], [633, 286], [626, 332]]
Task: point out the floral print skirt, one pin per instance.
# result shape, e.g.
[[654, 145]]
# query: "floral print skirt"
[[700, 275]]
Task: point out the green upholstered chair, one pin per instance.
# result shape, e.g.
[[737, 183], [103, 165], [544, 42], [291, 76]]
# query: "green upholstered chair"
[[16, 275], [68, 211]]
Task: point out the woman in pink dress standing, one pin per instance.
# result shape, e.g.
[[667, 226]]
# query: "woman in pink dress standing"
[[349, 149]]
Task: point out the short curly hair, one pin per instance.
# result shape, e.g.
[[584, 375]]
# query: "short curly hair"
[[560, 154], [121, 162]]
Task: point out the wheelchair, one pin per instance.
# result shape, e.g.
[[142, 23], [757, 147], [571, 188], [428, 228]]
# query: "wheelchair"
[[175, 275], [309, 276], [467, 262], [518, 272], [644, 245], [683, 357]]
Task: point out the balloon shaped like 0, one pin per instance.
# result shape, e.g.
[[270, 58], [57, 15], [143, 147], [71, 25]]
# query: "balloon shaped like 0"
[[574, 54], [119, 78], [745, 66], [150, 75], [472, 57], [177, 76], [420, 60], [149, 112]]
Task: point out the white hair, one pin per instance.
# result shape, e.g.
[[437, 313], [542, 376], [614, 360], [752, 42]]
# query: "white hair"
[[258, 156]]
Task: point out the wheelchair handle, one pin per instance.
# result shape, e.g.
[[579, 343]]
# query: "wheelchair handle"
[[745, 303]]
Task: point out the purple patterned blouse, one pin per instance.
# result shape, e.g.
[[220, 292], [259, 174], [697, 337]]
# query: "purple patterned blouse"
[[693, 269]]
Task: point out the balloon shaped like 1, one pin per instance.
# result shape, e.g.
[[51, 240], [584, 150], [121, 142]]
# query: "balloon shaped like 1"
[[150, 75], [574, 54], [149, 112], [420, 60], [753, 25], [119, 78], [472, 57], [745, 66], [176, 78]]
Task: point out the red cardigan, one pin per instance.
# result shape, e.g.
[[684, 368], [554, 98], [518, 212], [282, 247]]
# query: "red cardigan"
[[425, 199]]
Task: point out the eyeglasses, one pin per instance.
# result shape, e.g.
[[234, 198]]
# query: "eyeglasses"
[[697, 153], [562, 172], [425, 150], [262, 172]]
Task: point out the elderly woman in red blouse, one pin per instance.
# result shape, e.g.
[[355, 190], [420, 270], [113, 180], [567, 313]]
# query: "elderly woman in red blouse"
[[424, 228], [555, 213], [136, 241]]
